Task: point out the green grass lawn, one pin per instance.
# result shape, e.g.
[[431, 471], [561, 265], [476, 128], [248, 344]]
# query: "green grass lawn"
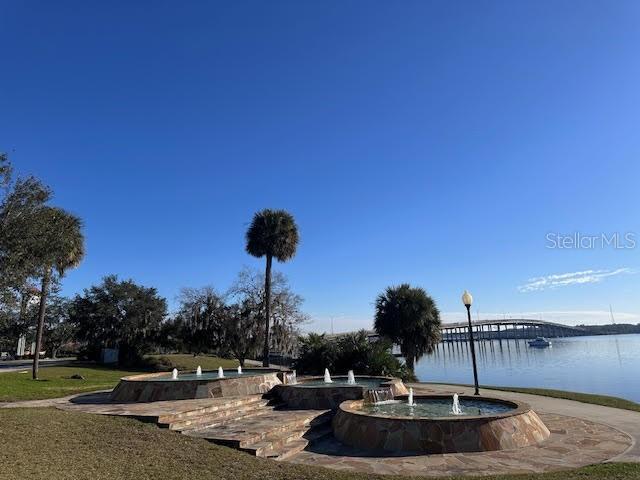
[[56, 382], [605, 400], [185, 361], [42, 443]]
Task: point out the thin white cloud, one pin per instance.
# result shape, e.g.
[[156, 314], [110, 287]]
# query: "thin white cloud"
[[567, 279]]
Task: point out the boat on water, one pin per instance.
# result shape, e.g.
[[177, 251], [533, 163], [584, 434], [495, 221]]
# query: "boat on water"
[[539, 342]]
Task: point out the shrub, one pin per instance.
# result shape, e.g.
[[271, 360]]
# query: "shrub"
[[316, 353], [353, 351], [154, 363]]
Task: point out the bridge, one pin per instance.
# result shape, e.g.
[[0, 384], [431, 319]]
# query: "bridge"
[[509, 328]]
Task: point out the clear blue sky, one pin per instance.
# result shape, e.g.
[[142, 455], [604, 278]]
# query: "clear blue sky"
[[430, 142]]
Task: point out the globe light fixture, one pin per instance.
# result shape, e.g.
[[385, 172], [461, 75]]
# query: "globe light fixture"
[[467, 300]]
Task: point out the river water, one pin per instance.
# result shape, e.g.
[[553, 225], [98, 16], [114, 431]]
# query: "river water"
[[607, 364]]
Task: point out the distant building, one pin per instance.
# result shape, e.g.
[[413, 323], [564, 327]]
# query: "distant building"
[[22, 342]]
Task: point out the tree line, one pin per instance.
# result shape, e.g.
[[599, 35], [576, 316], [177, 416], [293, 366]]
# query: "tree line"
[[135, 320], [40, 242]]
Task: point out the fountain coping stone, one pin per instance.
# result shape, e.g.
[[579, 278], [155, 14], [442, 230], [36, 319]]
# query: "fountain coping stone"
[[152, 387], [330, 396], [518, 408]]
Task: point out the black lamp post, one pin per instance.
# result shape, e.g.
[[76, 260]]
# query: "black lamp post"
[[467, 299]]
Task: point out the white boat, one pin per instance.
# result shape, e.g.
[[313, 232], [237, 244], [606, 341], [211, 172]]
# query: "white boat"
[[540, 342]]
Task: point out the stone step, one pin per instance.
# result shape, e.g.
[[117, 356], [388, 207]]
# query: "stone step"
[[217, 405], [241, 434], [290, 449], [269, 444], [284, 445], [223, 417]]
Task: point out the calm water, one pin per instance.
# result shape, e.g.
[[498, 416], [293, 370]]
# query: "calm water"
[[366, 382], [435, 408], [608, 364], [213, 375]]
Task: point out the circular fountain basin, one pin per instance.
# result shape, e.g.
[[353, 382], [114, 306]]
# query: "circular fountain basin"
[[437, 408], [211, 375], [340, 382], [315, 393], [155, 387], [430, 427]]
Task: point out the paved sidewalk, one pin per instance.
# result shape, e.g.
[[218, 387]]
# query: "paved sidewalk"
[[55, 402], [626, 421]]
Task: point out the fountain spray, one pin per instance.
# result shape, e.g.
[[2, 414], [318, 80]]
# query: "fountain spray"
[[410, 399], [455, 408]]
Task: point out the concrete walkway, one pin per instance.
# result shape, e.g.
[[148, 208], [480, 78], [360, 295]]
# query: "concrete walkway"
[[55, 402], [626, 421]]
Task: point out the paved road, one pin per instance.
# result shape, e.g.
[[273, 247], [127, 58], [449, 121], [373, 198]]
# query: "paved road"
[[626, 421], [19, 365]]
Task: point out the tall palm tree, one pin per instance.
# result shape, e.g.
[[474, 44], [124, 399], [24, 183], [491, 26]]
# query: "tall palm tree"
[[274, 234], [58, 245], [408, 317]]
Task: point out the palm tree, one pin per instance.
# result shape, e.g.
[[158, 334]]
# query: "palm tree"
[[274, 234], [58, 246], [410, 318]]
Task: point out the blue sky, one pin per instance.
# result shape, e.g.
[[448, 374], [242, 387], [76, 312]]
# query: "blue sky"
[[436, 143]]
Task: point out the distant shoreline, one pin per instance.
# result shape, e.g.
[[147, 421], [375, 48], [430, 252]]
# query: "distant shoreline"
[[611, 329]]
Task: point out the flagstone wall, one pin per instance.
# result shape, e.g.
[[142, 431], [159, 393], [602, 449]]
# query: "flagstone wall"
[[147, 388], [322, 397], [517, 428]]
